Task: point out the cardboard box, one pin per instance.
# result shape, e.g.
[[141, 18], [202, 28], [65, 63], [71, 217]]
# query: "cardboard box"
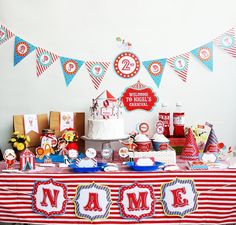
[[18, 125], [79, 126]]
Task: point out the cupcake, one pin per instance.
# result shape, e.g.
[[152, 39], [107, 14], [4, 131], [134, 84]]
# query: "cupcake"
[[160, 142], [143, 143]]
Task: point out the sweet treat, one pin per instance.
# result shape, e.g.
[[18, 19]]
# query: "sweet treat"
[[197, 165], [147, 161], [86, 163], [143, 142], [106, 120], [165, 156], [160, 142]]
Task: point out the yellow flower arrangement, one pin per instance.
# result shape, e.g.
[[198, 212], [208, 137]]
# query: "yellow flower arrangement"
[[19, 141]]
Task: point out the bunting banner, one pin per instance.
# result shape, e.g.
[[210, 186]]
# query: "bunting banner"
[[180, 65], [97, 71], [205, 55], [5, 34], [226, 41], [155, 68], [44, 60], [22, 49], [126, 64], [70, 68]]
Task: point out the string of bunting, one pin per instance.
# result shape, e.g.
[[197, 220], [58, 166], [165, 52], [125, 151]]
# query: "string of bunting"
[[97, 70]]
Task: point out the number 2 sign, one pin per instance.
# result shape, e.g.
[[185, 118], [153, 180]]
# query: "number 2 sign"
[[127, 65]]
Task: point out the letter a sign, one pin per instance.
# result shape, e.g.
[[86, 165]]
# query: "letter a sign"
[[179, 197], [136, 201], [49, 198], [92, 201]]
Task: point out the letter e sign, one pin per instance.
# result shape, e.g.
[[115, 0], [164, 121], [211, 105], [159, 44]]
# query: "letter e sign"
[[179, 197]]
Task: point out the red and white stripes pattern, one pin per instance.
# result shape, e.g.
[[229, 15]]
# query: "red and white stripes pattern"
[[216, 200], [9, 34], [41, 68], [231, 50], [181, 73], [97, 80]]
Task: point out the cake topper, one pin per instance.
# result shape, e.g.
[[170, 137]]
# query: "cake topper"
[[160, 127]]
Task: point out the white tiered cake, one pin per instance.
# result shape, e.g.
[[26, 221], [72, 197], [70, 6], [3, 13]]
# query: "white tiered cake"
[[106, 120]]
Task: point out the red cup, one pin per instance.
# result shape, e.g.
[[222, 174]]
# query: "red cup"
[[143, 146]]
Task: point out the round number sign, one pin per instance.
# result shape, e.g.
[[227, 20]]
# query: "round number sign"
[[160, 127], [127, 65], [204, 54]]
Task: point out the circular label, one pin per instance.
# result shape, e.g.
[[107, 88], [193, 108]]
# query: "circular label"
[[3, 34], [71, 67], [45, 59], [155, 68], [227, 41], [143, 127], [106, 153], [127, 65], [180, 64], [22, 49], [91, 153], [204, 54], [160, 127], [123, 152], [97, 70]]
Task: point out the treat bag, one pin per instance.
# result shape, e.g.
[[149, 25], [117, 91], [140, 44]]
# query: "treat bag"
[[31, 125], [61, 121]]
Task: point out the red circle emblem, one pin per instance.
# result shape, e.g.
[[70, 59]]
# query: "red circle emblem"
[[127, 65], [71, 67], [22, 49]]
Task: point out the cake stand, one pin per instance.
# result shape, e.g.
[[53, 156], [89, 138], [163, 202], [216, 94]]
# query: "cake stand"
[[106, 144]]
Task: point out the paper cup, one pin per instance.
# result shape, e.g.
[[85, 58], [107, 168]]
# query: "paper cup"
[[143, 146], [160, 145]]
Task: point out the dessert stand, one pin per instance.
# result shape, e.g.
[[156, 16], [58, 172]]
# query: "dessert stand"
[[106, 144]]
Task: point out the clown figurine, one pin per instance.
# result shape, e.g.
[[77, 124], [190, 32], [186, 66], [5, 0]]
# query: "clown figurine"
[[131, 146], [9, 157]]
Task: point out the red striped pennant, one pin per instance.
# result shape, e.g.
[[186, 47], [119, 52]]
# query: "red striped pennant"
[[44, 59], [180, 65], [226, 41], [5, 34], [97, 71]]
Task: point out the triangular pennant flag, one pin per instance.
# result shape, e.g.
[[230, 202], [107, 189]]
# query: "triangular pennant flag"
[[97, 71], [226, 42], [5, 34], [70, 68], [155, 68], [212, 141], [190, 150], [44, 59], [180, 65], [205, 54], [22, 49]]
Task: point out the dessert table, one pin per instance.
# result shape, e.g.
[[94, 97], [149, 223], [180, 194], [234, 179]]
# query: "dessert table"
[[216, 195]]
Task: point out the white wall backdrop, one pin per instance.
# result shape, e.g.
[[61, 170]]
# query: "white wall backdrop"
[[86, 30]]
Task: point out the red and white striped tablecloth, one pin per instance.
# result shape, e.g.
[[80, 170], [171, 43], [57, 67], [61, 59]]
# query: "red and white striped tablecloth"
[[216, 200]]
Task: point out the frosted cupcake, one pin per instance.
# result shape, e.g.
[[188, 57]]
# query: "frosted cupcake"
[[143, 143], [160, 142]]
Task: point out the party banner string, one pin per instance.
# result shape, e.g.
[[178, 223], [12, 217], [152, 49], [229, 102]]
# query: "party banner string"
[[126, 65]]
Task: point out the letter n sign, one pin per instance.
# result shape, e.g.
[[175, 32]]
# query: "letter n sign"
[[179, 197], [49, 198], [136, 201]]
